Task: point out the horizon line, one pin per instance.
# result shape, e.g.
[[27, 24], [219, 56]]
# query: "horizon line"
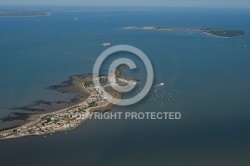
[[129, 6]]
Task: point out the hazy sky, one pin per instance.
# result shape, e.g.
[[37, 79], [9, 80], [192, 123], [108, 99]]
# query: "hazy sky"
[[181, 3]]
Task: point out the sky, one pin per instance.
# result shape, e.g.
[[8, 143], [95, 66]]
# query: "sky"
[[161, 3]]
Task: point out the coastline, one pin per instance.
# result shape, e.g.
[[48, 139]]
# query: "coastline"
[[209, 34], [37, 117], [225, 33], [45, 15], [35, 120]]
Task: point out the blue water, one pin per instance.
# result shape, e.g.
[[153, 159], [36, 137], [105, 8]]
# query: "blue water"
[[208, 77]]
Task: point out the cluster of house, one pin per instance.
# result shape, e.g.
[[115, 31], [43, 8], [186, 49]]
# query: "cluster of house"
[[61, 120], [4, 134], [51, 123]]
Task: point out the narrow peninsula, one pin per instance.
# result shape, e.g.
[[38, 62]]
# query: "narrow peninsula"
[[98, 99]]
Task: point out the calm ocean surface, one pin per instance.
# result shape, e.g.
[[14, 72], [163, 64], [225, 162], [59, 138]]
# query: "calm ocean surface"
[[207, 80]]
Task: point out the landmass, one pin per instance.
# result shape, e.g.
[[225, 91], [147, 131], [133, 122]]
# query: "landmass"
[[68, 93], [97, 99], [25, 13], [216, 32]]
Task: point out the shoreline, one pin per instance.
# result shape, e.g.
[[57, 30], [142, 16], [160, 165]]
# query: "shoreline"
[[46, 15], [33, 127], [69, 93], [209, 34], [206, 31], [37, 117]]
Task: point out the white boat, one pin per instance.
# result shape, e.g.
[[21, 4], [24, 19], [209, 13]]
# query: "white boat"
[[106, 44]]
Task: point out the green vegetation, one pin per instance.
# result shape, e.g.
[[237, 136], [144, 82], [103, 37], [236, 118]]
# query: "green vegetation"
[[88, 83], [218, 32], [48, 120], [31, 131], [223, 32], [92, 104]]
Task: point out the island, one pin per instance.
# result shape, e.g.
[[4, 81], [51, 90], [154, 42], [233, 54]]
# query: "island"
[[216, 32], [98, 99], [23, 13]]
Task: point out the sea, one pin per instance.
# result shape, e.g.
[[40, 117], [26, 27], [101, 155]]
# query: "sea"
[[206, 79]]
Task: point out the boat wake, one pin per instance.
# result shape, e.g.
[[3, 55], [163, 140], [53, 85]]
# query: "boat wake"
[[161, 84]]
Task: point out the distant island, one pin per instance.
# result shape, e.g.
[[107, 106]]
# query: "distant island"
[[23, 13], [216, 32]]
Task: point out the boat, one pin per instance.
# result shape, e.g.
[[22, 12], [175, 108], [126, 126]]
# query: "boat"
[[106, 44]]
